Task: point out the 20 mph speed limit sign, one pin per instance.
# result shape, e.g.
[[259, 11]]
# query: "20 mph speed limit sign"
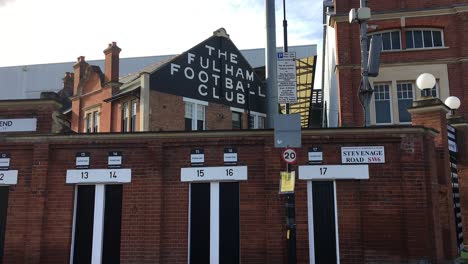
[[289, 155]]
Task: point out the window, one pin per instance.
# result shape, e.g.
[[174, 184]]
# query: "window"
[[423, 38], [405, 100], [88, 123], [125, 117], [391, 102], [133, 116], [95, 121], [434, 92], [257, 120], [194, 114], [390, 40], [92, 118], [383, 107], [129, 115], [236, 120]]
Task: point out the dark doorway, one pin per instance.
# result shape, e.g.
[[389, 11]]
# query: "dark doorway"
[[324, 222], [112, 224], [3, 217], [84, 220], [229, 223], [199, 223]]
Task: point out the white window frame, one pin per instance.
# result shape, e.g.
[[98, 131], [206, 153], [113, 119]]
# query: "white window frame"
[[432, 37], [133, 115], [238, 111], [256, 122], [196, 104], [391, 104], [125, 110], [413, 85], [391, 42], [91, 111]]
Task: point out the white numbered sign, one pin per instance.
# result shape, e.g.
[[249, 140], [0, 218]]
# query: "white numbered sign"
[[96, 176], [207, 174], [330, 172], [8, 177]]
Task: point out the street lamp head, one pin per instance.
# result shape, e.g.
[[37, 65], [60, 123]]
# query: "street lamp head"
[[452, 102], [426, 81]]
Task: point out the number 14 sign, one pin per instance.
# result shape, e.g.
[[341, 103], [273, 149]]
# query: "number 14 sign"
[[96, 176]]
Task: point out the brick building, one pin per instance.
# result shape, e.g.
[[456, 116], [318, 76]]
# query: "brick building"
[[61, 210], [418, 37], [211, 86]]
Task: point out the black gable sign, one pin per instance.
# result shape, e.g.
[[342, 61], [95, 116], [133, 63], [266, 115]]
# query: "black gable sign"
[[213, 71]]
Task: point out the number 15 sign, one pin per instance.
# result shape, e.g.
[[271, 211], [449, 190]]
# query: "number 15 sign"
[[211, 174]]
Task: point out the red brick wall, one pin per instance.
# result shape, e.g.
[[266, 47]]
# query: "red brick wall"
[[168, 114], [349, 57], [40, 109], [390, 218], [342, 7]]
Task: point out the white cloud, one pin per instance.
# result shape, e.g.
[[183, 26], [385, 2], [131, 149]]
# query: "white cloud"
[[4, 2]]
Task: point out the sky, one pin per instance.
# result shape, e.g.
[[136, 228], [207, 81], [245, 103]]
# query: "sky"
[[48, 31]]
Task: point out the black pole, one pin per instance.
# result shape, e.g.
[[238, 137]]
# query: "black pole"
[[285, 37], [290, 197]]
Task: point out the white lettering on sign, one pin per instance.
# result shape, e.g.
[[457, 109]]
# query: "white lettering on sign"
[[368, 154], [332, 172], [207, 71], [18, 125], [210, 174], [8, 177], [97, 176]]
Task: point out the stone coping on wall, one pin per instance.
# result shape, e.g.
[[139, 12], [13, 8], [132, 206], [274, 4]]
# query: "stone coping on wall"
[[373, 132]]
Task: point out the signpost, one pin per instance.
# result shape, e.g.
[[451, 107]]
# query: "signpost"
[[289, 156], [286, 69]]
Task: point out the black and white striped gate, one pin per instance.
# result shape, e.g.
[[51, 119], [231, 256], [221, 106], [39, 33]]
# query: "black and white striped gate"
[[453, 151]]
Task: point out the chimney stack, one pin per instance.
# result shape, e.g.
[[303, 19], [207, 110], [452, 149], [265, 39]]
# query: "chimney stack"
[[112, 62], [68, 84], [79, 68]]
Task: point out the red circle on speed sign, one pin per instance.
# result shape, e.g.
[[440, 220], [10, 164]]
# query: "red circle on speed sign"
[[289, 155]]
